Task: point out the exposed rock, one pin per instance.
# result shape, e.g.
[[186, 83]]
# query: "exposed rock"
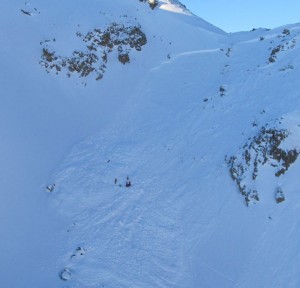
[[222, 91], [263, 149], [26, 12], [124, 58], [152, 3], [50, 188], [274, 52], [79, 252], [285, 42], [93, 60], [279, 196], [286, 32]]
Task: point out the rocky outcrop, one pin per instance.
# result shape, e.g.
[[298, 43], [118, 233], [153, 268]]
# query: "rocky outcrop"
[[99, 43], [286, 41], [263, 149]]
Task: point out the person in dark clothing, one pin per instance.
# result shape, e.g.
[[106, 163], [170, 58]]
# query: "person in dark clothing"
[[128, 182]]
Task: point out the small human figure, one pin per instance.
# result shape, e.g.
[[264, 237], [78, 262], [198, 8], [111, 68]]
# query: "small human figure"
[[128, 182], [116, 180]]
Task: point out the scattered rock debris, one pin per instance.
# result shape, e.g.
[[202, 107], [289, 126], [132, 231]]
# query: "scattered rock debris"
[[287, 42], [50, 188], [152, 3], [26, 12], [79, 251], [275, 51], [222, 91], [279, 195]]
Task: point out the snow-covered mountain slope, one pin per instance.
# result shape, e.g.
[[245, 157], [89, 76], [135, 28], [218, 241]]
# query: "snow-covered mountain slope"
[[203, 124]]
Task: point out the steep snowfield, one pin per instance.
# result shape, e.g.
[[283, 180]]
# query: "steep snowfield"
[[168, 120]]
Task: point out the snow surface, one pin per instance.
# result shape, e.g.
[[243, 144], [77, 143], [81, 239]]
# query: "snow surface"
[[159, 120]]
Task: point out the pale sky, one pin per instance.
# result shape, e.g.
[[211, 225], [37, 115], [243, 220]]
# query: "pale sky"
[[241, 15]]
